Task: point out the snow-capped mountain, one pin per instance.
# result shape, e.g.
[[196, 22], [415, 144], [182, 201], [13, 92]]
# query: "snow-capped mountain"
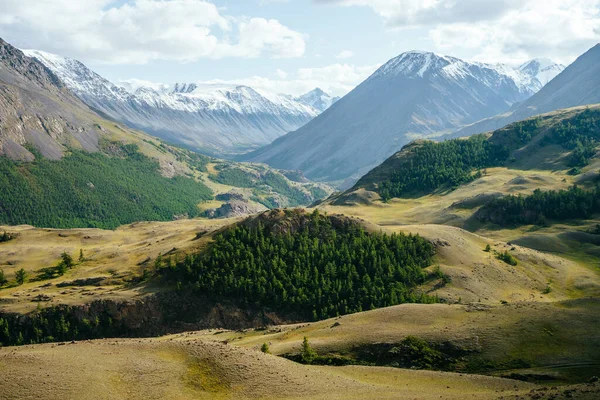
[[576, 85], [416, 94], [541, 71], [218, 119], [317, 99], [529, 78]]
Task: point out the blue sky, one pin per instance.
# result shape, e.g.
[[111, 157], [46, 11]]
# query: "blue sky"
[[291, 46]]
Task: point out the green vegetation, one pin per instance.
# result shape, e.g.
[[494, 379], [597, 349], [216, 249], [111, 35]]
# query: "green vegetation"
[[540, 206], [236, 176], [65, 263], [488, 248], [431, 165], [21, 276], [507, 258], [5, 237], [412, 352], [580, 133], [3, 280], [307, 354], [428, 166], [94, 190], [265, 348], [313, 266]]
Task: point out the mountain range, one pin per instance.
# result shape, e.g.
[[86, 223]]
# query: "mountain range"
[[578, 84], [220, 120], [417, 94]]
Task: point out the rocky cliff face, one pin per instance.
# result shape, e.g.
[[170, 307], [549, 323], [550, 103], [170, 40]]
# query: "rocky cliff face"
[[37, 110]]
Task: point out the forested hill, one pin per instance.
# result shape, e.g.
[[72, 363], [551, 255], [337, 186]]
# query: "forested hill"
[[424, 167], [95, 190], [311, 266]]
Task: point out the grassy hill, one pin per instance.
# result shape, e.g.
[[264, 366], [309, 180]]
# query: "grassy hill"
[[425, 167], [196, 367]]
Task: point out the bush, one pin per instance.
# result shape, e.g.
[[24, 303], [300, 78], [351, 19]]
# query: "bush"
[[3, 280], [5, 237], [265, 348], [507, 258]]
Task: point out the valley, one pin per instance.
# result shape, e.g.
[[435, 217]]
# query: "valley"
[[301, 247]]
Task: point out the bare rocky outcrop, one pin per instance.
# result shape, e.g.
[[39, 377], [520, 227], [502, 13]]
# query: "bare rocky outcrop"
[[235, 208]]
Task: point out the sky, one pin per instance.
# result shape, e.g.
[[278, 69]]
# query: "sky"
[[293, 46]]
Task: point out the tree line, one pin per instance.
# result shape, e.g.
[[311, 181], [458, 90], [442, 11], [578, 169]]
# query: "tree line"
[[541, 206]]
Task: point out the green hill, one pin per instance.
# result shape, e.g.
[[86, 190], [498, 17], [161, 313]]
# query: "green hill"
[[425, 167]]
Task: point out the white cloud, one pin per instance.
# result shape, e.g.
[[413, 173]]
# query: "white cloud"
[[281, 74], [496, 30], [335, 79], [345, 54], [143, 30]]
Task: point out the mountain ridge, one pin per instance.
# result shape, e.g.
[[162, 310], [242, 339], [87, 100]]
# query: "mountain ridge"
[[576, 85], [417, 94]]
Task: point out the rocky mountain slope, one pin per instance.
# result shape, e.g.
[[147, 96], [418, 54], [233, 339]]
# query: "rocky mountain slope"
[[217, 119], [578, 84], [36, 109], [413, 95]]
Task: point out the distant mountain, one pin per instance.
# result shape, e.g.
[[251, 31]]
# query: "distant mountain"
[[578, 84], [218, 119], [414, 95], [317, 99], [92, 172], [541, 71]]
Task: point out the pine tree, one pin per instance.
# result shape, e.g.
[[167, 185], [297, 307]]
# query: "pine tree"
[[67, 260], [308, 354], [81, 258], [21, 276]]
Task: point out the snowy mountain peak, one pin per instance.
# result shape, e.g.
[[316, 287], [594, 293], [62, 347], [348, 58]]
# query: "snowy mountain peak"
[[133, 85], [184, 87], [529, 78], [317, 99], [218, 118], [413, 63], [541, 69], [78, 77]]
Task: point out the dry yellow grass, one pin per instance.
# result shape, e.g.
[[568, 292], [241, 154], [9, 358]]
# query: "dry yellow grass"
[[196, 369], [116, 255]]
